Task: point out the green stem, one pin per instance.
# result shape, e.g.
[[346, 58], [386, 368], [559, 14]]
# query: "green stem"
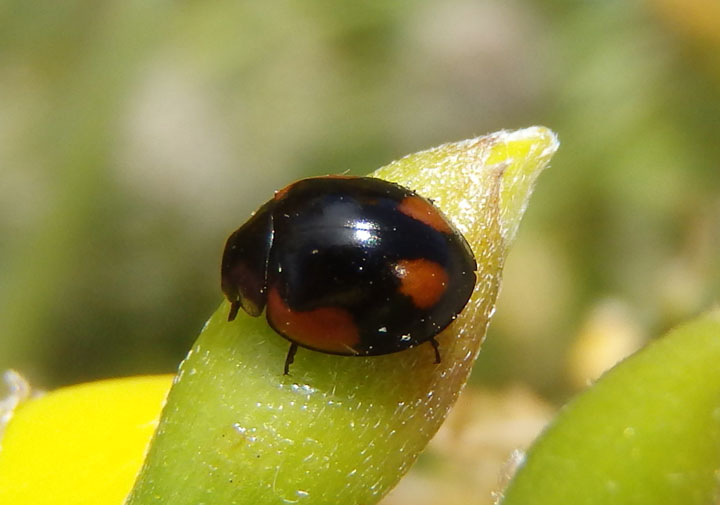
[[339, 429]]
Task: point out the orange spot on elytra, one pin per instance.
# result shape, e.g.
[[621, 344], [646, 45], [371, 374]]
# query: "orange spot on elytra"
[[422, 210], [336, 176], [281, 193], [424, 281], [328, 329]]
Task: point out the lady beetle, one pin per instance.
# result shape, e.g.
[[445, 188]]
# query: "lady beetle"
[[355, 266]]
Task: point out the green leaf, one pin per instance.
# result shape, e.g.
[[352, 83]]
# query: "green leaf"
[[339, 429], [648, 432]]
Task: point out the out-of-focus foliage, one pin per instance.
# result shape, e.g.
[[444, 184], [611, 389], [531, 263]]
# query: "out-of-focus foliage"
[[134, 136], [647, 432]]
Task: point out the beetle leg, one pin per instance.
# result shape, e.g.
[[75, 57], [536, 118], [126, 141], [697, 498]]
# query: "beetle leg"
[[437, 350], [290, 357], [234, 307]]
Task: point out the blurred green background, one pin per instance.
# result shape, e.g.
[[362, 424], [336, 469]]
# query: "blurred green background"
[[136, 135]]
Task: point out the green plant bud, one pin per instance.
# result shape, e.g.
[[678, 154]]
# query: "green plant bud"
[[339, 430]]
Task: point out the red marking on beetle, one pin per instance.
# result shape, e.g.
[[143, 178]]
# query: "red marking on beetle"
[[282, 193], [422, 210], [424, 281], [327, 329], [336, 176]]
